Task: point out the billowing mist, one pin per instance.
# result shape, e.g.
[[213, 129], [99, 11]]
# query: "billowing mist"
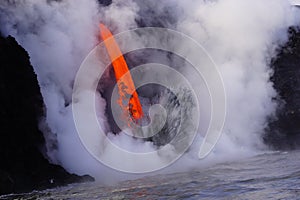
[[240, 36]]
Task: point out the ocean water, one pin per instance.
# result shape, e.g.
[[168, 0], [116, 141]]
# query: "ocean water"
[[272, 175]]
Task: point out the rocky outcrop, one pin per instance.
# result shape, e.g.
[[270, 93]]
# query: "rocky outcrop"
[[23, 167], [284, 130]]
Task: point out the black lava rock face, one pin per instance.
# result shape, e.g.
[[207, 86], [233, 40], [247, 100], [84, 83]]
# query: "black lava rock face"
[[105, 2], [23, 167], [284, 131]]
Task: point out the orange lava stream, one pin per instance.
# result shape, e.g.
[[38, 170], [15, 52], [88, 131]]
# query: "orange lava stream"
[[125, 85]]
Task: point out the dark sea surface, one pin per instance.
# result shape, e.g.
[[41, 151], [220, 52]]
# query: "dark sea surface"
[[273, 175]]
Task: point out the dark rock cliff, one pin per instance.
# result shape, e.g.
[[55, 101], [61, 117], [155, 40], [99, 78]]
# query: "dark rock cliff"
[[23, 167], [284, 130]]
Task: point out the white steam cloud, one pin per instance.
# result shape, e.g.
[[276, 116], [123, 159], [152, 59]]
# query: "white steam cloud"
[[240, 36]]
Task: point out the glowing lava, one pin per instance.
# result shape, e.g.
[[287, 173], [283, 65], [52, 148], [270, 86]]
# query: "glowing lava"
[[126, 85]]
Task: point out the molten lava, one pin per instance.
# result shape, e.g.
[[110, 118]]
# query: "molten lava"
[[125, 85]]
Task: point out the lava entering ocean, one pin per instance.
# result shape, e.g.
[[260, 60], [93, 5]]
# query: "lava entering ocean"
[[126, 86]]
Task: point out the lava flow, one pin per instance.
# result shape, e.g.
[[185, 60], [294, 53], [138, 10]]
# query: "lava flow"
[[125, 85]]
